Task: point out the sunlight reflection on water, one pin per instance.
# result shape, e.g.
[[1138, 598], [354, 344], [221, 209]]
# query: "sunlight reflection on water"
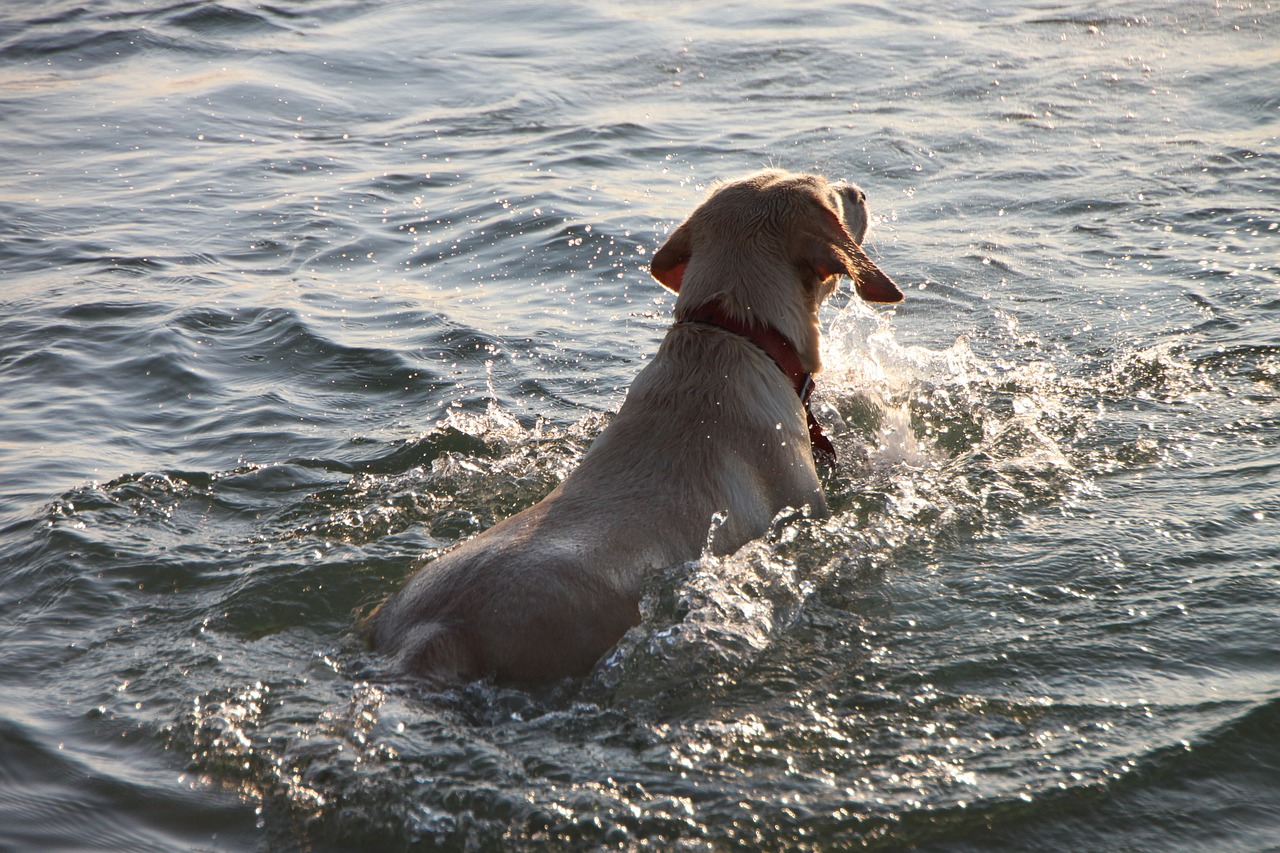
[[298, 295]]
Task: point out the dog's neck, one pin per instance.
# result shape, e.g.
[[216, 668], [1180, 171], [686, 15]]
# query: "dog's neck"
[[770, 293], [768, 338], [784, 355]]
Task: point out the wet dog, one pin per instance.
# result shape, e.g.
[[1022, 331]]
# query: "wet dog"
[[716, 423]]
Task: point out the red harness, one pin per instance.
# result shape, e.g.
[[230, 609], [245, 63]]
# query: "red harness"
[[784, 355]]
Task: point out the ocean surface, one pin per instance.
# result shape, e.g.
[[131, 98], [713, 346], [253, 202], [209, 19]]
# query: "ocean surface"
[[294, 295]]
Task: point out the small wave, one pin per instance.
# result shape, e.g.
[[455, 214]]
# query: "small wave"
[[1091, 21], [97, 45], [108, 35], [217, 18], [117, 812], [285, 346]]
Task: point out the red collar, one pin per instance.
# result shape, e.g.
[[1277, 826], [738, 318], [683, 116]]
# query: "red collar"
[[784, 354]]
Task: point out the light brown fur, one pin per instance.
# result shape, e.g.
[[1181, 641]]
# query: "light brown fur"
[[710, 426]]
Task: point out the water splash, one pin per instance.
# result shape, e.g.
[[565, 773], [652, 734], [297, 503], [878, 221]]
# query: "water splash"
[[936, 445], [705, 622], [939, 447]]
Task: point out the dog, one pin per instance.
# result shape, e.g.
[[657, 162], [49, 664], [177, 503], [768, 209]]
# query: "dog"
[[716, 425]]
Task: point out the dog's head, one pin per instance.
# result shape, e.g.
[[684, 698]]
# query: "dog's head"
[[769, 248], [814, 225]]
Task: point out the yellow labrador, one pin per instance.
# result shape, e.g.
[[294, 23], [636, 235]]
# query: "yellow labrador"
[[717, 422]]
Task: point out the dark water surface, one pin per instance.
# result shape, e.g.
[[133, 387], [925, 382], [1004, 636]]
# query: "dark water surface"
[[295, 293]]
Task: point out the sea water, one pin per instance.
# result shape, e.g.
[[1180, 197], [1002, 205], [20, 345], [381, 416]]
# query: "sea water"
[[298, 294]]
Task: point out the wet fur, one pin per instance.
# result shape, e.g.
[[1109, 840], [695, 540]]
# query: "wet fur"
[[710, 426]]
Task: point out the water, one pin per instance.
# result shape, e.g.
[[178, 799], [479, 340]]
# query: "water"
[[297, 293]]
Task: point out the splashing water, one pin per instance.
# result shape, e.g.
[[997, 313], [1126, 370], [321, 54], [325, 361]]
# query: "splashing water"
[[361, 280], [939, 447]]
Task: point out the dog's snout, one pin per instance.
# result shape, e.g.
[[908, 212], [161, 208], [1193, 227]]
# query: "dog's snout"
[[852, 193], [853, 209]]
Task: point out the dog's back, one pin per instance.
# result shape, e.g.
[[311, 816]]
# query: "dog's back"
[[543, 594]]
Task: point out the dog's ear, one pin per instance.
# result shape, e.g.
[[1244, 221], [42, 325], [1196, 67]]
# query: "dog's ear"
[[870, 281], [836, 253], [669, 261]]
